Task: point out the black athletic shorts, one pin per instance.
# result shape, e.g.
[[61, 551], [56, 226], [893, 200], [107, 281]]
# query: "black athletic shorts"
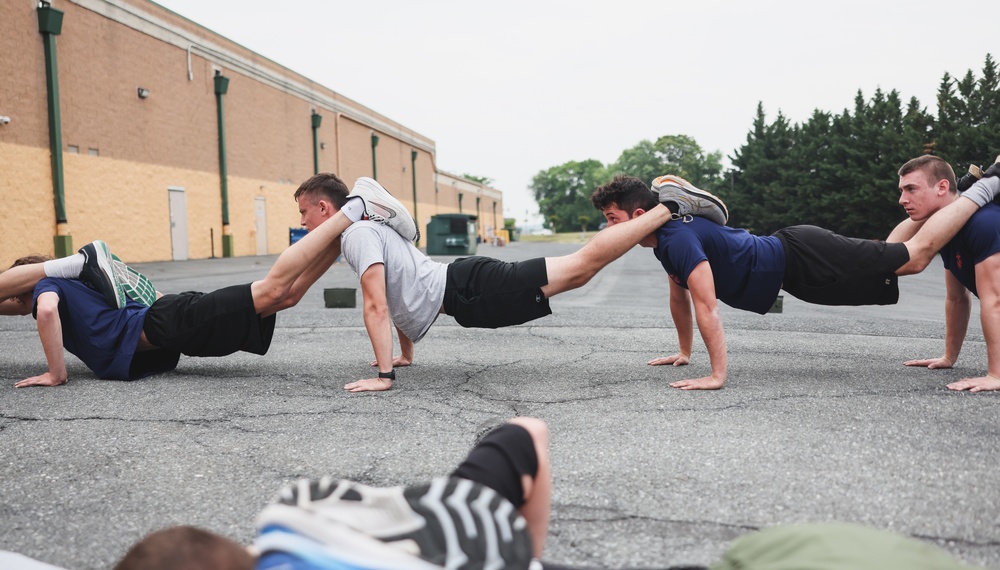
[[500, 459], [482, 292], [825, 268], [209, 324]]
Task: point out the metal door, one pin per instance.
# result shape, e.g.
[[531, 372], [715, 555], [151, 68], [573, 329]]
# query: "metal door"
[[261, 225], [178, 224]]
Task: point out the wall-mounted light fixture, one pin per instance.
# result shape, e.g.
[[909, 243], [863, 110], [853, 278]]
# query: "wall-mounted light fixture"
[[4, 120], [142, 92], [322, 145]]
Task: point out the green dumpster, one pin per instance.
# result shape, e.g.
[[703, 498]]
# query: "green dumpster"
[[451, 234]]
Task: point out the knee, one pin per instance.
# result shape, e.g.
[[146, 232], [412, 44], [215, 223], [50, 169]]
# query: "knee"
[[920, 258], [536, 428], [274, 297]]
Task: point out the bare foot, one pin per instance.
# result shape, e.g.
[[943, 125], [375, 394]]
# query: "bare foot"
[[369, 385]]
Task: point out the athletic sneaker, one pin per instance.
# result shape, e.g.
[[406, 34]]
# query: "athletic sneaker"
[[981, 195], [381, 207], [447, 523], [690, 200], [99, 274], [137, 286]]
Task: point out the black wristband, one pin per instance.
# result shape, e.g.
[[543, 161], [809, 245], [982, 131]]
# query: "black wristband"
[[391, 375]]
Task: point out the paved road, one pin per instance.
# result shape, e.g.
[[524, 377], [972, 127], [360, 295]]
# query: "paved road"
[[819, 421]]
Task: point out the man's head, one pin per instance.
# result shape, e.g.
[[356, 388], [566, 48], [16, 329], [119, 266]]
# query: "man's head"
[[25, 299], [319, 198], [623, 198], [926, 184], [185, 548]]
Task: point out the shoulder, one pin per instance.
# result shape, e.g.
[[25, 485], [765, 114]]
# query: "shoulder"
[[57, 285], [984, 224], [985, 216]]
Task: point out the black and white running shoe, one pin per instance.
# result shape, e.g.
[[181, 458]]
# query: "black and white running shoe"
[[98, 272], [383, 208], [690, 201], [448, 523]]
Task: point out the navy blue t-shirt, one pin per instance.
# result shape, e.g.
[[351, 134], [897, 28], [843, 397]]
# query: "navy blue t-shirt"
[[747, 269], [977, 240], [104, 338]]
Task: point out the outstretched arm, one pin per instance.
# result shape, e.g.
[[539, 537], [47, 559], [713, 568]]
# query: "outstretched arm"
[[680, 312], [988, 286], [957, 308], [405, 348], [379, 327], [701, 283], [50, 332], [904, 231]]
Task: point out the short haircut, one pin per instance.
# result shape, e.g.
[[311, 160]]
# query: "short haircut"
[[934, 168], [30, 260], [627, 192], [185, 548], [324, 186]]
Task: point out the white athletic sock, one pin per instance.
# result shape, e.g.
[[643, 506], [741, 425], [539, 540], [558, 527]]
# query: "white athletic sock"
[[354, 209], [65, 267], [983, 191]]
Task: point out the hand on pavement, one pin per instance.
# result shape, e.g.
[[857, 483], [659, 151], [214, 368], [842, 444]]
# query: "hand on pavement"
[[46, 379], [369, 385], [678, 359], [931, 363], [980, 384], [706, 383]]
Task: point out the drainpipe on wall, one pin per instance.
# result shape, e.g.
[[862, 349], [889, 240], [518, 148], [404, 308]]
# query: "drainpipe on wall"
[[221, 86], [374, 164], [413, 170], [317, 120], [50, 26]]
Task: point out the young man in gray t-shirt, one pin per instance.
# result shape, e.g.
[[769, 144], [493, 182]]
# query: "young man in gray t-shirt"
[[402, 286]]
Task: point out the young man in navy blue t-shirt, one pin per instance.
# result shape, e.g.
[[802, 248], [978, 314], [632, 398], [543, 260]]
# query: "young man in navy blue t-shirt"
[[707, 262], [138, 341]]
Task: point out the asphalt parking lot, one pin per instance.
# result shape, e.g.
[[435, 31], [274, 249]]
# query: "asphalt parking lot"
[[819, 421]]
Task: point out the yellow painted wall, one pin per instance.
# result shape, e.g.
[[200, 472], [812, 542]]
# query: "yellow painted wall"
[[27, 211], [126, 204]]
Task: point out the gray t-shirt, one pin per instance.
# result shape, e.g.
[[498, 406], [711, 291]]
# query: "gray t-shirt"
[[414, 283]]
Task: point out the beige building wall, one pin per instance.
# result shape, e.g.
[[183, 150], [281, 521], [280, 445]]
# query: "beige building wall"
[[122, 152], [460, 195]]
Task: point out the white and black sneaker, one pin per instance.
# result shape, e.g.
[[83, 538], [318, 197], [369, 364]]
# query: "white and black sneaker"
[[98, 272], [381, 207], [136, 286], [448, 523], [690, 201]]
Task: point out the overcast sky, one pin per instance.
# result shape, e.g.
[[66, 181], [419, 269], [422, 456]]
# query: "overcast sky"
[[507, 89]]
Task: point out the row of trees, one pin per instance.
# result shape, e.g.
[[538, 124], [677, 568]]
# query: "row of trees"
[[834, 170]]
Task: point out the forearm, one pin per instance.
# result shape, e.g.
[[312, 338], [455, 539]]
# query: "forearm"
[[379, 329], [680, 313], [405, 345], [990, 316], [957, 312], [50, 333], [710, 326]]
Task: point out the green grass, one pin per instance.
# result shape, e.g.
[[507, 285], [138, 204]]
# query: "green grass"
[[570, 237]]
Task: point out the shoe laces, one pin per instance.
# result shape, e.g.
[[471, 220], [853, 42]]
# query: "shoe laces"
[[686, 218]]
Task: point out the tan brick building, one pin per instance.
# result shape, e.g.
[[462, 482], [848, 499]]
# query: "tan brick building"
[[130, 94]]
